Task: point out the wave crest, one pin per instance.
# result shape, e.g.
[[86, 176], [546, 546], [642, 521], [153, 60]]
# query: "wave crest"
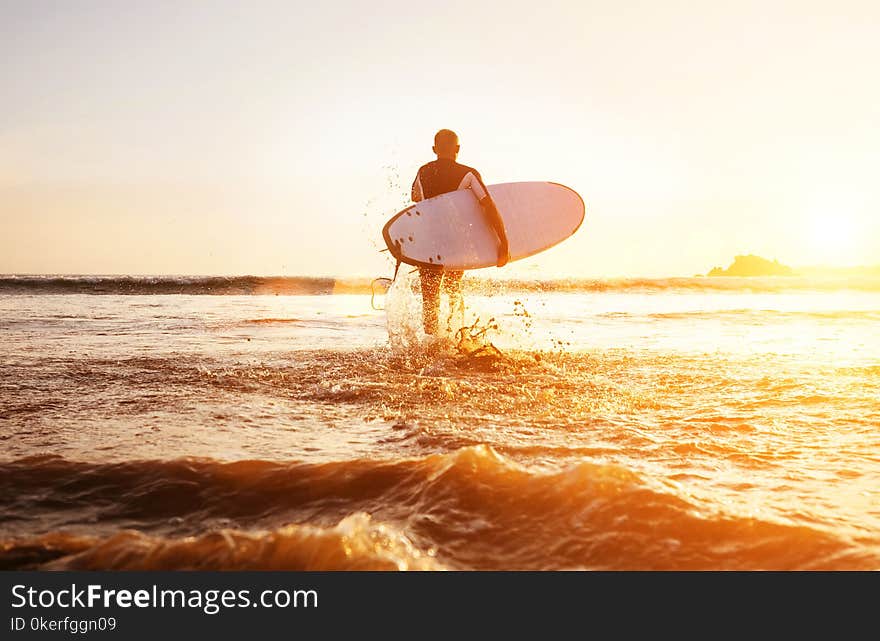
[[355, 543], [475, 507], [297, 285]]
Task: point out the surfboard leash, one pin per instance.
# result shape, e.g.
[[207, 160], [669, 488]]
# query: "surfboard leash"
[[390, 282]]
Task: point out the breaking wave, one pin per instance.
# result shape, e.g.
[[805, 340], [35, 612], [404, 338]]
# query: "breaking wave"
[[468, 509], [301, 285]]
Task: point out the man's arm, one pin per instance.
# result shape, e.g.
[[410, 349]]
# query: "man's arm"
[[417, 193], [474, 182], [494, 217]]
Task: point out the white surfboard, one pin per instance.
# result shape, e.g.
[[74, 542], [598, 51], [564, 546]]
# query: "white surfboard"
[[452, 231]]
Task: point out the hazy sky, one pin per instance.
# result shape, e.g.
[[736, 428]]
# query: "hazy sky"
[[277, 137]]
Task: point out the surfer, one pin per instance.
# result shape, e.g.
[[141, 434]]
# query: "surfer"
[[439, 177]]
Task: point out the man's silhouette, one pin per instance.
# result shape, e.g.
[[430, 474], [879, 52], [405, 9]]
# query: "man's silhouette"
[[439, 177]]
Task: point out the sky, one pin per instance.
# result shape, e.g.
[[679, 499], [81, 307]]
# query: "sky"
[[276, 138]]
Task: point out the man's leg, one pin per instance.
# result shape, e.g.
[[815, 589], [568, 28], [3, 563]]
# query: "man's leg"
[[452, 287], [431, 279]]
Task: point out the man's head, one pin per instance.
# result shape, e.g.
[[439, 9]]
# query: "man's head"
[[446, 144]]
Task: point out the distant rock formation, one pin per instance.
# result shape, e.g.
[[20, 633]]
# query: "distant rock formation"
[[752, 265]]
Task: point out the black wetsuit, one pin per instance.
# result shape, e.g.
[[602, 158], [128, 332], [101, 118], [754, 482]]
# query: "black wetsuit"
[[442, 176]]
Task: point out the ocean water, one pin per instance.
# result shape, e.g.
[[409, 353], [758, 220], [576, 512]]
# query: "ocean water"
[[231, 423]]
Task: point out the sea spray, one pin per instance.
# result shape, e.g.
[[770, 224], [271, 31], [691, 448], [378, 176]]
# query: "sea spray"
[[472, 341], [463, 332], [403, 309]]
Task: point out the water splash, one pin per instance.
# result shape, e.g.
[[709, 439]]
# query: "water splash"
[[403, 309], [403, 312], [472, 341]]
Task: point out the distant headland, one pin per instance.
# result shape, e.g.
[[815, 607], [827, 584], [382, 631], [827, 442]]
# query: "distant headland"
[[752, 265]]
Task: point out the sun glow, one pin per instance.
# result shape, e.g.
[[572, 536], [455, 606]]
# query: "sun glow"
[[832, 237]]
